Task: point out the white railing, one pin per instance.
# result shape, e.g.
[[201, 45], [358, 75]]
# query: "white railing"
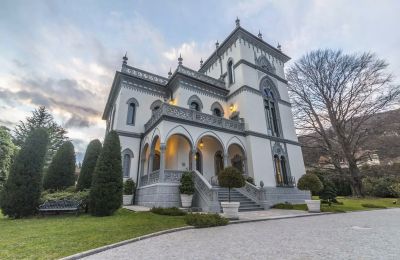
[[251, 191]]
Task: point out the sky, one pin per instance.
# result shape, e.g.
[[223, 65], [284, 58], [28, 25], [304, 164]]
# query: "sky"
[[64, 54]]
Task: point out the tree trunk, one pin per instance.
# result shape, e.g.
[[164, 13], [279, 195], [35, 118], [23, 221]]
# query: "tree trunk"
[[229, 194], [356, 184]]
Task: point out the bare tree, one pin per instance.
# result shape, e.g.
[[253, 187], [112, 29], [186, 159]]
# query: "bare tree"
[[334, 94]]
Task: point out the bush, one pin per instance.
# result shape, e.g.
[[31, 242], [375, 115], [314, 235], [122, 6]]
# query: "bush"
[[384, 187], [395, 189], [368, 205], [231, 177], [21, 192], [92, 153], [205, 220], [129, 187], [187, 184], [310, 182], [106, 191], [82, 196], [283, 206], [250, 180], [168, 211], [328, 193], [61, 172]]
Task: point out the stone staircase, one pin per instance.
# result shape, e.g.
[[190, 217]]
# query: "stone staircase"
[[246, 204]]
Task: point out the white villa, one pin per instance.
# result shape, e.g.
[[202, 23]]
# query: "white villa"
[[233, 111]]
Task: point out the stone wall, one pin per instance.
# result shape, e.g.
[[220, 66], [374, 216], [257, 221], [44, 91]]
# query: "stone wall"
[[159, 195], [275, 195]]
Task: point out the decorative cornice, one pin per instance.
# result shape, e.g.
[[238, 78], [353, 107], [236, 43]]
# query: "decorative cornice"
[[202, 90], [240, 33], [201, 77], [249, 89], [148, 89], [242, 61], [129, 134], [141, 74]]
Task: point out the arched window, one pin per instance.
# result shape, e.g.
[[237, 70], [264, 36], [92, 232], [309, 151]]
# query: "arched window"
[[194, 103], [284, 171], [156, 161], [217, 110], [237, 162], [231, 73], [132, 107], [281, 171], [195, 106], [278, 172], [126, 165], [156, 105], [270, 106]]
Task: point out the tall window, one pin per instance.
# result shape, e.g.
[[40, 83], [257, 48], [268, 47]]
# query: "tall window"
[[231, 75], [195, 106], [131, 113], [281, 172], [198, 162], [271, 112], [126, 165], [218, 162]]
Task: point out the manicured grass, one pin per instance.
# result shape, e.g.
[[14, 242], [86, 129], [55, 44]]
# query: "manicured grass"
[[58, 236], [354, 204]]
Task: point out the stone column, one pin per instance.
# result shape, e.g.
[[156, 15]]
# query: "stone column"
[[226, 160], [246, 169], [150, 166], [141, 172], [163, 147], [193, 159]]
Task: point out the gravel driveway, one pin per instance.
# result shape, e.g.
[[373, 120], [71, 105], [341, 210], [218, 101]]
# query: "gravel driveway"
[[359, 235]]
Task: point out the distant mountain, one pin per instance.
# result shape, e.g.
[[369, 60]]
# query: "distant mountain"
[[383, 138]]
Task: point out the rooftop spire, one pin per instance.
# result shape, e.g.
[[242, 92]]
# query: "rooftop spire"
[[259, 34], [237, 22], [217, 44], [169, 73], [279, 47], [180, 59], [201, 62], [125, 59]]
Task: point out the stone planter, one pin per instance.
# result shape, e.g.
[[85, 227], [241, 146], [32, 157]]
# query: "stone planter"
[[231, 209], [186, 200], [314, 206], [127, 199]]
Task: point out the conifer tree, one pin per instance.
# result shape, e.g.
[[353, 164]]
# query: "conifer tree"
[[107, 183], [61, 172], [92, 153], [21, 193]]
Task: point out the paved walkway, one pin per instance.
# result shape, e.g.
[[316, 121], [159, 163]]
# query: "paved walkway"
[[359, 235]]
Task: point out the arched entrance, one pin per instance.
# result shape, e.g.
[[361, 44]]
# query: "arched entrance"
[[211, 153], [155, 154], [237, 157], [178, 153]]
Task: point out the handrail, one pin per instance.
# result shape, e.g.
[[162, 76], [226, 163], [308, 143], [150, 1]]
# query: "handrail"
[[251, 191], [208, 195]]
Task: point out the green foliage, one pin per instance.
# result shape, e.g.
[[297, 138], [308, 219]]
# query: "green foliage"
[[395, 189], [21, 193], [7, 152], [310, 182], [61, 172], [41, 118], [283, 206], [384, 187], [92, 153], [250, 180], [328, 193], [129, 187], [106, 189], [230, 177], [82, 196], [187, 184], [174, 211], [368, 205], [205, 220]]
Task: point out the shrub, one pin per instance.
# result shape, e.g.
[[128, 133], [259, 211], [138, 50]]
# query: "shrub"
[[61, 172], [328, 193], [82, 196], [129, 187], [310, 182], [380, 187], [250, 180], [283, 206], [89, 163], [368, 205], [395, 189], [168, 211], [21, 193], [205, 220], [187, 184], [106, 191], [231, 177]]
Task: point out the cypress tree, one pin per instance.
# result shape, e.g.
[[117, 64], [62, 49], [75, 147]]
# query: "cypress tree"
[[61, 172], [21, 193], [107, 183], [92, 153]]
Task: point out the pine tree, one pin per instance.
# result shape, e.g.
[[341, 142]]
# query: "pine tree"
[[41, 118], [328, 193], [92, 153], [107, 183], [21, 193], [61, 172], [7, 152]]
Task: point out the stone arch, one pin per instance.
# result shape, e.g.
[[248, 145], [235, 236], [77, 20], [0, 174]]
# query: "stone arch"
[[215, 105], [213, 134], [264, 63], [155, 104], [133, 100], [266, 82], [236, 140], [179, 129], [128, 151], [127, 156], [195, 98]]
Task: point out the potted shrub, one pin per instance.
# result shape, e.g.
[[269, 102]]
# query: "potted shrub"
[[230, 177], [312, 183], [129, 188], [186, 189]]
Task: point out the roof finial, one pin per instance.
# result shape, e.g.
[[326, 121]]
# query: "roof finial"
[[125, 59], [180, 59], [169, 73], [217, 44], [259, 34], [201, 62], [279, 47], [237, 21]]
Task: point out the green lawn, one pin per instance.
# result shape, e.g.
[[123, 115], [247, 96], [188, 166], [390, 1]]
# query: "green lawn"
[[58, 236], [354, 204]]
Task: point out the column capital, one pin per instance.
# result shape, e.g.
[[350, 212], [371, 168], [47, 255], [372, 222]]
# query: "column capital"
[[163, 146]]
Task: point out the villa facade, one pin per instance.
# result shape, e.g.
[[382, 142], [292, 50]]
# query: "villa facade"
[[233, 111]]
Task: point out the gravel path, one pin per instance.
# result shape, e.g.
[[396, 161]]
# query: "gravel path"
[[359, 235]]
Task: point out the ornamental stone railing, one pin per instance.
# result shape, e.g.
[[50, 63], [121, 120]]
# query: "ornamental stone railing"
[[207, 197], [173, 176], [201, 76], [194, 116], [138, 73], [251, 191]]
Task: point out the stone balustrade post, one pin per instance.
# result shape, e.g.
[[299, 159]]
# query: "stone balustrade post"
[[150, 166], [163, 148]]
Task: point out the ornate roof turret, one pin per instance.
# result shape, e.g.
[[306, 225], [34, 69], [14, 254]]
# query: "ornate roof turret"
[[125, 59], [169, 73], [201, 62], [259, 34], [180, 59], [216, 45], [279, 47], [237, 22]]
